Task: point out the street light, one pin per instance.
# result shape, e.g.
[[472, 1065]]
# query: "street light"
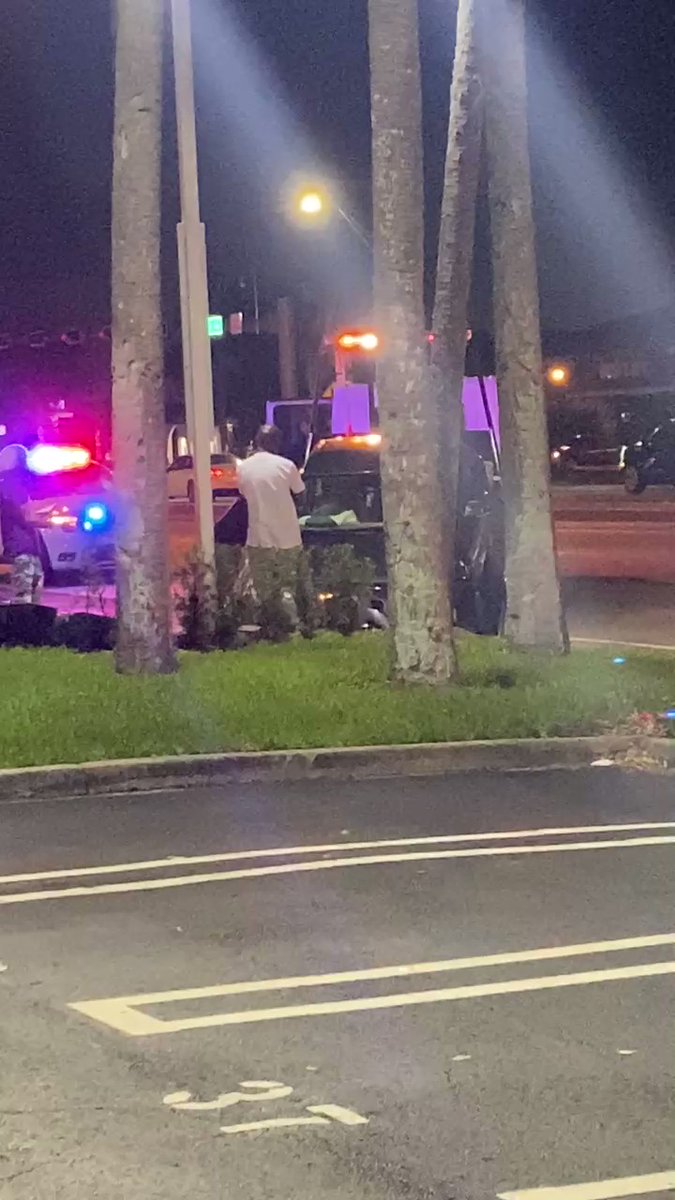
[[311, 204], [559, 375], [194, 291], [318, 204]]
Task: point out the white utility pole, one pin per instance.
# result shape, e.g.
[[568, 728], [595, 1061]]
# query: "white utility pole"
[[194, 292]]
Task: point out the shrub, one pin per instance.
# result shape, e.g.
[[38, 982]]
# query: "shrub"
[[196, 604], [86, 632], [344, 583]]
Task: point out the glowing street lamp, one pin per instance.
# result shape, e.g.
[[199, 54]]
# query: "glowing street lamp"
[[315, 204], [311, 204], [559, 375]]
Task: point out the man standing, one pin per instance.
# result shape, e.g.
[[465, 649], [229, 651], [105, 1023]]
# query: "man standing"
[[20, 540], [269, 482]]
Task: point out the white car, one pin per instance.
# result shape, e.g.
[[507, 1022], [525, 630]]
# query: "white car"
[[180, 477], [73, 513]]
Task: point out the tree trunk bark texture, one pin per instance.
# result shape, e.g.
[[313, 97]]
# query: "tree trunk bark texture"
[[417, 569], [534, 615], [454, 269], [144, 643]]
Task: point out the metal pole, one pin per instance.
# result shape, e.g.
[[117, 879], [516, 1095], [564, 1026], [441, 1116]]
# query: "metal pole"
[[356, 228], [193, 282], [256, 302], [288, 370]]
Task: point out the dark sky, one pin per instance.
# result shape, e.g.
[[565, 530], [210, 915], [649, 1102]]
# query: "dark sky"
[[282, 87]]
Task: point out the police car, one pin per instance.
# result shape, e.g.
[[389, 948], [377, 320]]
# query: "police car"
[[70, 504]]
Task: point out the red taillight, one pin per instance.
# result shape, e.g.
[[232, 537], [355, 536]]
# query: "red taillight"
[[216, 473]]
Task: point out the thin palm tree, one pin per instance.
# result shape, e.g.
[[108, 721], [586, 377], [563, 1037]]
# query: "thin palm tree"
[[144, 642], [412, 498], [454, 267], [534, 614]]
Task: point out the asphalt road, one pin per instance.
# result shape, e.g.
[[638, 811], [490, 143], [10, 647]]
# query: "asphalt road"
[[467, 1017], [601, 532]]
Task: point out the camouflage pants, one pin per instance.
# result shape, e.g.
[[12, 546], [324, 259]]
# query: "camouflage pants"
[[288, 571], [27, 579]]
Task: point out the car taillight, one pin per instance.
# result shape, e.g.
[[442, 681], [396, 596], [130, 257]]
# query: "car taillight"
[[216, 473], [62, 518]]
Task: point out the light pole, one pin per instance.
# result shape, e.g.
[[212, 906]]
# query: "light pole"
[[194, 293]]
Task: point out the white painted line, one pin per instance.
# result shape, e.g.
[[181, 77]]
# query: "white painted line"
[[274, 1123], [121, 1012], [327, 864], [140, 1025], [335, 1112], [603, 1189], [587, 641], [177, 860]]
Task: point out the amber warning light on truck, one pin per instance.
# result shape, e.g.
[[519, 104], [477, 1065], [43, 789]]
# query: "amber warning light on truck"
[[351, 342]]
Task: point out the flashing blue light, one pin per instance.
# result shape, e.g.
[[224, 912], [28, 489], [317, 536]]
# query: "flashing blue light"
[[670, 715], [96, 517], [618, 662]]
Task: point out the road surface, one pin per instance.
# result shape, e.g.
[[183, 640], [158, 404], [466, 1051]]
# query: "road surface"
[[602, 532], [255, 992]]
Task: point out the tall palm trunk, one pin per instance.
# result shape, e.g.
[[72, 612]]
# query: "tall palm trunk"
[[534, 614], [144, 614], [424, 649], [455, 254]]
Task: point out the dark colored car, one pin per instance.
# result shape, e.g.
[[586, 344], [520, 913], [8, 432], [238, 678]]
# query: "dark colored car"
[[585, 455], [651, 460], [344, 506]]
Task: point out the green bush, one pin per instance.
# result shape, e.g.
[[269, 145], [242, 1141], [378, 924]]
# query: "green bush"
[[344, 582], [196, 604], [233, 591]]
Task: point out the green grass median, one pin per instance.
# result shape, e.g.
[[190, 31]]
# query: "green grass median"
[[59, 707]]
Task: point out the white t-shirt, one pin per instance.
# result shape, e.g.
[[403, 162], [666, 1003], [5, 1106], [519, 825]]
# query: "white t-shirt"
[[268, 483]]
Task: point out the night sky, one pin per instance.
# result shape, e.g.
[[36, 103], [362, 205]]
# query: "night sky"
[[282, 87]]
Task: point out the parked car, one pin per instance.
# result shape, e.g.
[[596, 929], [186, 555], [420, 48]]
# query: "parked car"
[[584, 457], [650, 460], [344, 506], [180, 477]]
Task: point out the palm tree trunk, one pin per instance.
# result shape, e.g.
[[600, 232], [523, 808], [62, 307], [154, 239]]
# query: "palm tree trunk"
[[144, 613], [534, 613], [424, 648], [455, 255]]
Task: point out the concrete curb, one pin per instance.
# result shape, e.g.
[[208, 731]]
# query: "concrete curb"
[[181, 772]]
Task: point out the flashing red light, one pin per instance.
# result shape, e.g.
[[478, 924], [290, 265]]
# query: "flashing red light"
[[431, 337], [49, 460]]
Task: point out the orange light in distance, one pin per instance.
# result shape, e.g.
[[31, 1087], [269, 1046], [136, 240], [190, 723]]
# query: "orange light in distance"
[[368, 341], [558, 375]]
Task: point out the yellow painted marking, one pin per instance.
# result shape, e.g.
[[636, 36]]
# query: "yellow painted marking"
[[179, 860], [335, 1112], [274, 1123], [260, 1091], [603, 1189], [122, 1012], [328, 864]]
